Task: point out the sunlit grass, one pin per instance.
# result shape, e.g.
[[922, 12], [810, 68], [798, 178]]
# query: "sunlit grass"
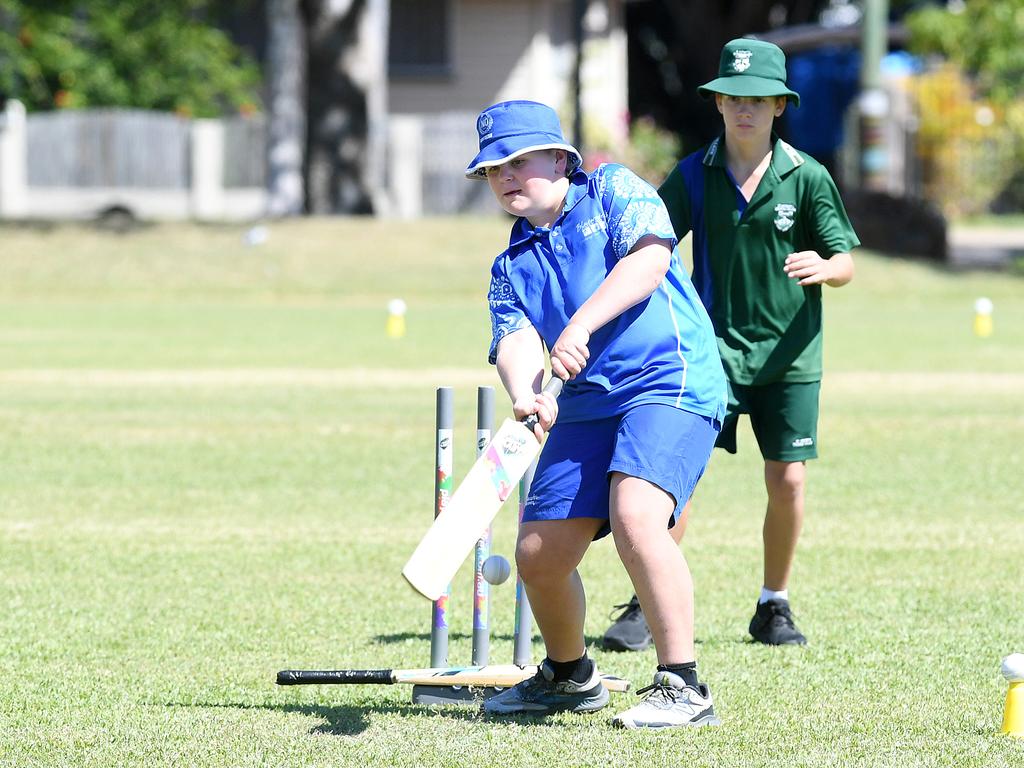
[[212, 469]]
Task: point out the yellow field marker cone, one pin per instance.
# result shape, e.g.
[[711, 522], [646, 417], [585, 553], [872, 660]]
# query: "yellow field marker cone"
[[983, 318], [395, 326], [1013, 713]]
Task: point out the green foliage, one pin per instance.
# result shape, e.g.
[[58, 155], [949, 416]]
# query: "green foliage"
[[124, 53], [971, 164], [652, 151], [966, 144], [984, 38]]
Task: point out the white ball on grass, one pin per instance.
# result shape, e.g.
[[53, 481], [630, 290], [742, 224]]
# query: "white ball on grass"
[[1013, 667], [256, 235], [496, 569]]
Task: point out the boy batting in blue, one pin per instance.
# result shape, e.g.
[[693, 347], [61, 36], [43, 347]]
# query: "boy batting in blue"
[[590, 276]]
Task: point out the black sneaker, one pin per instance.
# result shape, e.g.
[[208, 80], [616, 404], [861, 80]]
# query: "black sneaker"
[[773, 624], [630, 631]]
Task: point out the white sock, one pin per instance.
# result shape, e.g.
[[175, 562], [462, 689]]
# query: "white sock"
[[770, 594]]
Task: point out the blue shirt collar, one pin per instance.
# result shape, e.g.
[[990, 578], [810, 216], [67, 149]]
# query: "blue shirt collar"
[[522, 230]]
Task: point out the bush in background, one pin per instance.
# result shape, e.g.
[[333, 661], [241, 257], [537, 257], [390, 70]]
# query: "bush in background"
[[967, 145], [981, 38], [124, 53], [651, 152]]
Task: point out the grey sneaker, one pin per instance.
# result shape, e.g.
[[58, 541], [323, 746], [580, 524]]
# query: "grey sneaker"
[[630, 631], [541, 695], [670, 703]]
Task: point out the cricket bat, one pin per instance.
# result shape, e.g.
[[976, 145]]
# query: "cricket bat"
[[495, 675], [474, 504]]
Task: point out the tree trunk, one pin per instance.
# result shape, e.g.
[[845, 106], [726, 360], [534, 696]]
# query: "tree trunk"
[[347, 105], [286, 100]]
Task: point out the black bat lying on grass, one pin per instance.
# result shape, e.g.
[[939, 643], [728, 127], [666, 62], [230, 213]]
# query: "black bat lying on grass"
[[495, 675]]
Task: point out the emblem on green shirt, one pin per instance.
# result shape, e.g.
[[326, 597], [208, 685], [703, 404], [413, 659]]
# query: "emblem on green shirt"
[[784, 213]]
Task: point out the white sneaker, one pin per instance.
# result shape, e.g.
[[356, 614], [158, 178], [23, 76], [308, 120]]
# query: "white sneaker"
[[670, 703]]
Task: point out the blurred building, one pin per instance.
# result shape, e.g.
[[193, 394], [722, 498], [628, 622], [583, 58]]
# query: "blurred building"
[[447, 60]]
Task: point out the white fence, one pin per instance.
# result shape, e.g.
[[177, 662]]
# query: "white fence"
[[80, 164], [427, 157]]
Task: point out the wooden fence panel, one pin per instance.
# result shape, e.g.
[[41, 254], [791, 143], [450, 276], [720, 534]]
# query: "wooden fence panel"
[[108, 148]]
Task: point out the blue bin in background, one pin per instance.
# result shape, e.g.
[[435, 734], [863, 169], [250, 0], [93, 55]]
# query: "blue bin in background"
[[828, 80]]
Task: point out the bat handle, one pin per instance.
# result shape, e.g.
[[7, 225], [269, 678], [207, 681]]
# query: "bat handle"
[[334, 676], [553, 388]]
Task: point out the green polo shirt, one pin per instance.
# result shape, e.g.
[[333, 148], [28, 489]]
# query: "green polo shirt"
[[768, 327]]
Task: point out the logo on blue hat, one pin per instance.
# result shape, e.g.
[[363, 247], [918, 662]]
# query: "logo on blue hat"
[[512, 128], [484, 125]]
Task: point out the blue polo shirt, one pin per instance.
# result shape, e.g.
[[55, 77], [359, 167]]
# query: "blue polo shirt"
[[662, 350]]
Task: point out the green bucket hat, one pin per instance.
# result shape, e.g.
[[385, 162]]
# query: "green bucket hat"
[[751, 68]]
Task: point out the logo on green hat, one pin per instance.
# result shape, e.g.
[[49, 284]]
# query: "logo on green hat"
[[741, 60]]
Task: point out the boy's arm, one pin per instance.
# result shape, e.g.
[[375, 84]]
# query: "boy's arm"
[[520, 363], [677, 201], [632, 280], [831, 234], [808, 268]]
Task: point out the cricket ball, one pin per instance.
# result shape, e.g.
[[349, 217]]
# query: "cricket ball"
[[496, 569]]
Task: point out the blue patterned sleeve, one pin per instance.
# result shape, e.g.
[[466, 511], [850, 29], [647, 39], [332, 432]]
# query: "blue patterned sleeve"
[[507, 313], [633, 209]]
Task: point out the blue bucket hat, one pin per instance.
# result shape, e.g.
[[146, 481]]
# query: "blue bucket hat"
[[513, 128]]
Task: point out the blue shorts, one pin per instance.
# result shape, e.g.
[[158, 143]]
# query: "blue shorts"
[[666, 446]]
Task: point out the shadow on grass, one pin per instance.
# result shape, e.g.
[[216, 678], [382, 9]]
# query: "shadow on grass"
[[352, 720]]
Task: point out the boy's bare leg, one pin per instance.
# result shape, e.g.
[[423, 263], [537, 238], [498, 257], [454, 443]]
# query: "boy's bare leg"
[[663, 585], [772, 623], [547, 555], [678, 530], [655, 564], [630, 631], [785, 482]]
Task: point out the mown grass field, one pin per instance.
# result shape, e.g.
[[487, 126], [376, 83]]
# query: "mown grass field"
[[213, 465]]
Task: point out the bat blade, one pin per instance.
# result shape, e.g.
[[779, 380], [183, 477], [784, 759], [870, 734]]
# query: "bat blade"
[[494, 675], [471, 509]]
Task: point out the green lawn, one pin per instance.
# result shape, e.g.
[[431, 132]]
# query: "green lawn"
[[213, 465], [1015, 220]]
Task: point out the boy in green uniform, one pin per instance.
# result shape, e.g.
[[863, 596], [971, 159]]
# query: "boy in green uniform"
[[769, 229]]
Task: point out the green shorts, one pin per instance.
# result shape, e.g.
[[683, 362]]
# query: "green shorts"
[[784, 417]]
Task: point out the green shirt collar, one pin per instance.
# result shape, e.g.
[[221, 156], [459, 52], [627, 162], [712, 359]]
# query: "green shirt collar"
[[784, 157]]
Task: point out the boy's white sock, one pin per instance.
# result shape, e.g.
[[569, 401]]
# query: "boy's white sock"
[[771, 594]]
